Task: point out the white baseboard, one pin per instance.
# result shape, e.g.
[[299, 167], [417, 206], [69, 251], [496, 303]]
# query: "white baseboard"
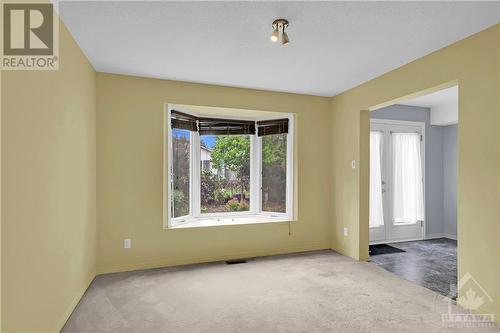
[[429, 236], [204, 259], [440, 235], [400, 240]]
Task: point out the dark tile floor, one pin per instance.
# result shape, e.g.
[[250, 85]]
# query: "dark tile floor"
[[430, 263]]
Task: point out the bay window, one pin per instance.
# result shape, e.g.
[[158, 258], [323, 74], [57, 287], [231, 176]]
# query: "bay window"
[[228, 171]]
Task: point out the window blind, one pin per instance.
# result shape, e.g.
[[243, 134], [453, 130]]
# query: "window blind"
[[274, 126], [216, 126], [183, 121]]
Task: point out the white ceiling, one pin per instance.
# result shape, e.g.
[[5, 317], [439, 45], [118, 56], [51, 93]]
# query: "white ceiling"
[[334, 45], [439, 98], [443, 106]]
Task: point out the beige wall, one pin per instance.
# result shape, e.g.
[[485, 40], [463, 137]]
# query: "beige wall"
[[1, 213], [474, 64], [48, 148], [498, 169], [129, 176]]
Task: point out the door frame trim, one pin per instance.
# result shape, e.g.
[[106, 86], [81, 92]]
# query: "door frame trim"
[[421, 125]]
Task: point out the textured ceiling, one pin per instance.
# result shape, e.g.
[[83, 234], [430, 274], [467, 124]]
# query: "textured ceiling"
[[334, 45]]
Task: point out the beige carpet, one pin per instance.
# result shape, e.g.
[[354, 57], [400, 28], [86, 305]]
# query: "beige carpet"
[[310, 292]]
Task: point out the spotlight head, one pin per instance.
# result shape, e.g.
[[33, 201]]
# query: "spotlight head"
[[275, 35], [284, 38]]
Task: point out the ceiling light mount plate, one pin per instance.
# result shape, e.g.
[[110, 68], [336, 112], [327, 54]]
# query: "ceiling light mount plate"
[[280, 24]]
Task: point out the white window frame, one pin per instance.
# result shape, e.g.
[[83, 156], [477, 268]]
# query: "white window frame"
[[255, 213]]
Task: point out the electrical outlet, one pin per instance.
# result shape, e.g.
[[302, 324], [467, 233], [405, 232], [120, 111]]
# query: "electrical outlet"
[[353, 164], [127, 243], [346, 231]]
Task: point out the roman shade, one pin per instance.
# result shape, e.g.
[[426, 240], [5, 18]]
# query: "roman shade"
[[216, 126], [183, 121], [275, 126]]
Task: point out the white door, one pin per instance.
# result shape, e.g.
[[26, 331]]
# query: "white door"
[[396, 181], [378, 174]]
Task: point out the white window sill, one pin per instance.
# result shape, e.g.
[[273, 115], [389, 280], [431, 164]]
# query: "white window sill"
[[226, 221]]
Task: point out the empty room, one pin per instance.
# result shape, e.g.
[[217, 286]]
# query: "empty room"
[[250, 166]]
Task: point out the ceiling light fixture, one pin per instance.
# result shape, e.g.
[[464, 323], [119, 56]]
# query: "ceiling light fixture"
[[279, 33]]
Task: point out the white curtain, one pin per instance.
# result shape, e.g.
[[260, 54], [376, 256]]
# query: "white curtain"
[[376, 205], [408, 195]]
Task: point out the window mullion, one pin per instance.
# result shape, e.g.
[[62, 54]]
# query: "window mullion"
[[195, 176], [169, 205], [254, 174], [259, 172], [289, 170]]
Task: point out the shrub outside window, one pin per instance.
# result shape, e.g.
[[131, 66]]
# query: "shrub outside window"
[[180, 172], [225, 173], [274, 173]]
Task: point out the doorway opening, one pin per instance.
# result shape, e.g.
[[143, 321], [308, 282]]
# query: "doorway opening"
[[413, 189]]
